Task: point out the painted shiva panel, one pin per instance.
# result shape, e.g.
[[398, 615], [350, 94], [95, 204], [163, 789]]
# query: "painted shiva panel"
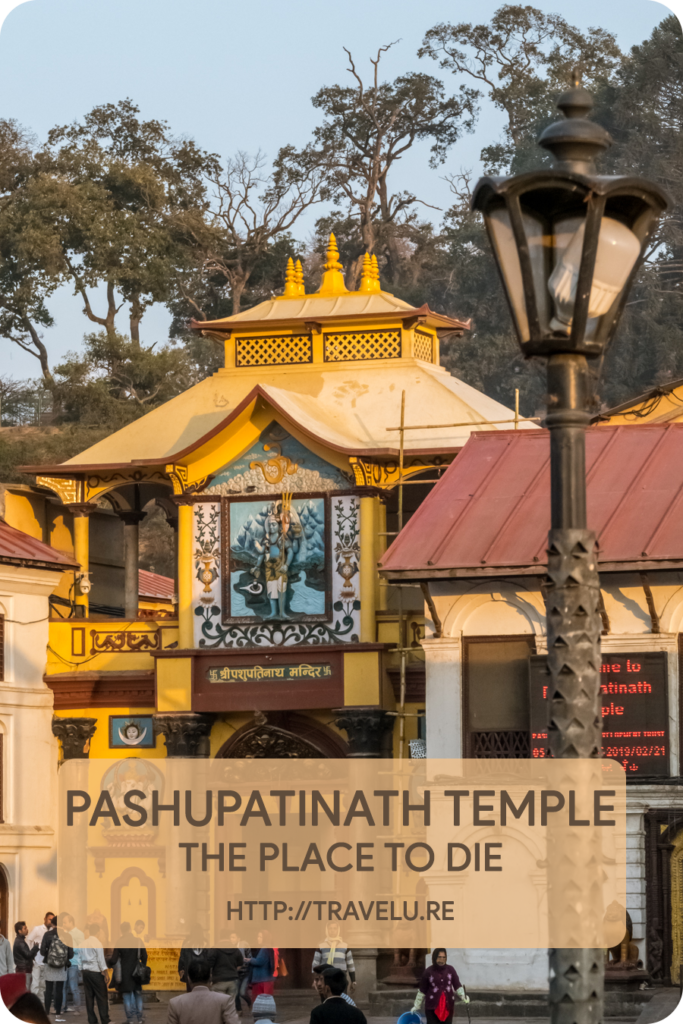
[[276, 463], [272, 571], [276, 559]]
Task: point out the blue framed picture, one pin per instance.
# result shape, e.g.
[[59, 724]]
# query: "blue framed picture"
[[131, 732]]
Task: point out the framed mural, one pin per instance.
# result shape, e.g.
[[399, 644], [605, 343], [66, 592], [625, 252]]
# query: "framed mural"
[[276, 558], [131, 731]]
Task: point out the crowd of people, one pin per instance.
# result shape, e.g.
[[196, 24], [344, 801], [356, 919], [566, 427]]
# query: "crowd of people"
[[41, 975]]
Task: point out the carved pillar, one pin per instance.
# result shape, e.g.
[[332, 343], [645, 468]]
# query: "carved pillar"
[[75, 735], [365, 728], [131, 556], [186, 735], [81, 513]]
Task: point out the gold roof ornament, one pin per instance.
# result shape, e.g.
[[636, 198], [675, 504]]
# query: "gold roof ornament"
[[333, 278], [375, 272], [291, 283], [369, 281], [299, 271]]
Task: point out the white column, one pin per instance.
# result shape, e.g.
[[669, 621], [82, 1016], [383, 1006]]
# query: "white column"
[[443, 706]]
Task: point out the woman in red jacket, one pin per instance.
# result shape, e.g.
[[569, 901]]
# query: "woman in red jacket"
[[439, 985]]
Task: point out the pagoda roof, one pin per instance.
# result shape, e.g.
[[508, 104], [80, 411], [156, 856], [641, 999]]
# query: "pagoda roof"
[[347, 407], [281, 312]]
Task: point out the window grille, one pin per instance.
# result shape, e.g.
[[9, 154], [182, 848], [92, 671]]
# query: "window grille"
[[423, 347], [341, 346], [296, 348], [513, 743]]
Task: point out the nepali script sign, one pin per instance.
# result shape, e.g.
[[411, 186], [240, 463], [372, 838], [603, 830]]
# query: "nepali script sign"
[[464, 853], [245, 673]]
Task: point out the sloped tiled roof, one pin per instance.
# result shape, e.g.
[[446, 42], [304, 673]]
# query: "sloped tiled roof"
[[18, 548], [152, 585], [490, 512]]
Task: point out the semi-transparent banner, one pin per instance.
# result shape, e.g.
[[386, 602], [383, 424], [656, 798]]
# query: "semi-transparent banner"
[[465, 853]]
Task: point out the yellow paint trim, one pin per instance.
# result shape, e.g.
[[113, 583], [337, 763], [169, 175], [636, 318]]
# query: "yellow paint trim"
[[368, 569], [174, 684], [185, 565], [361, 677], [82, 553]]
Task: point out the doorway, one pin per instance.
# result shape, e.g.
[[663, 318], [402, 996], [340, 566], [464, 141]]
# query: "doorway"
[[4, 901]]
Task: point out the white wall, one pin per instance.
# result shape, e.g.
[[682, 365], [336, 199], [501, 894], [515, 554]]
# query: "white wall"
[[515, 607], [27, 837]]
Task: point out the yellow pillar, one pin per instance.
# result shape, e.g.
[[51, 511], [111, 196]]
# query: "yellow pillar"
[[368, 570], [82, 552], [185, 619]]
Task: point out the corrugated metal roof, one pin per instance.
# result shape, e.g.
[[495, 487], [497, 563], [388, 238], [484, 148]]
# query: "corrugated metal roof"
[[491, 510], [151, 584], [18, 547]]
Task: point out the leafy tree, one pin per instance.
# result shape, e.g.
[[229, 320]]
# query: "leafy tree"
[[367, 128], [520, 61], [112, 187]]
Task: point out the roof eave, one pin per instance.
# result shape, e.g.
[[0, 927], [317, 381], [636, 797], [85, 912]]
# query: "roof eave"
[[424, 314]]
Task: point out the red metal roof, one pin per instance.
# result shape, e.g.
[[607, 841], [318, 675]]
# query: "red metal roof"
[[491, 510], [151, 584], [17, 547]]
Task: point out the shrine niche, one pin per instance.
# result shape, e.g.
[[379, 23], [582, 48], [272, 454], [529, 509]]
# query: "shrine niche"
[[276, 463]]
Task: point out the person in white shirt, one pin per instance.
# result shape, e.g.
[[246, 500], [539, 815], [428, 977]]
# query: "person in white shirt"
[[94, 969], [34, 938]]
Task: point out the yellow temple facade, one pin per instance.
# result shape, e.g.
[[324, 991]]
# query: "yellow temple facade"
[[284, 476]]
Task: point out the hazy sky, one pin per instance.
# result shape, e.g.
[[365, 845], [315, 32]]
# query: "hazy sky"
[[235, 76]]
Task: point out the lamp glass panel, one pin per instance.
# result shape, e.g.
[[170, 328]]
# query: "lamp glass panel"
[[508, 260], [618, 250], [540, 242]]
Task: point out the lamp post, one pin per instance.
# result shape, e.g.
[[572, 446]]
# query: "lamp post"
[[568, 243]]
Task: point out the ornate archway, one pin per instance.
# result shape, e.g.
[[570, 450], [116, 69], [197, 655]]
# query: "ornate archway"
[[283, 734], [119, 885]]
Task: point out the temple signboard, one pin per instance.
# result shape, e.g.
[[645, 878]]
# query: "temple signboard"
[[244, 673], [635, 716]]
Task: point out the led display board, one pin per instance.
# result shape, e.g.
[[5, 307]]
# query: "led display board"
[[635, 714]]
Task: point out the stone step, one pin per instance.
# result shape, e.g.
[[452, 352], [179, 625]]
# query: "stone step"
[[622, 1005]]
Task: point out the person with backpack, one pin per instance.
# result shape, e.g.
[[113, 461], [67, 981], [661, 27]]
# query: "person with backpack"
[[56, 952]]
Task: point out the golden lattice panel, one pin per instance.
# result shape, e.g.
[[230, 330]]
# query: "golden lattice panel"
[[423, 347], [342, 346], [273, 351]]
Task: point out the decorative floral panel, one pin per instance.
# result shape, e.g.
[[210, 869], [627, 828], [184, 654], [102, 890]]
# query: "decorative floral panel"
[[277, 463]]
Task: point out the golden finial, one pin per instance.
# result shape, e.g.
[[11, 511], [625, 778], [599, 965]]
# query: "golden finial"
[[333, 278], [291, 283], [368, 281], [299, 271], [375, 272]]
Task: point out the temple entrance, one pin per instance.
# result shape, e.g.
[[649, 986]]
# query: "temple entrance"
[[286, 734]]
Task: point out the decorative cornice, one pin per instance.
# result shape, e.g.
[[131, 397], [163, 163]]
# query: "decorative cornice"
[[186, 734]]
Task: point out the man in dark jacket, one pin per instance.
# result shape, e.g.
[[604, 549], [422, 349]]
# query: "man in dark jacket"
[[23, 956], [334, 1010], [225, 965]]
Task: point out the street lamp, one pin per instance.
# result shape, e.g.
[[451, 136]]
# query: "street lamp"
[[568, 243]]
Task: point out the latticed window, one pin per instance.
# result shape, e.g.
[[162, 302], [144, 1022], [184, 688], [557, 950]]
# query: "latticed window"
[[423, 347], [296, 348], [512, 743], [341, 346]]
